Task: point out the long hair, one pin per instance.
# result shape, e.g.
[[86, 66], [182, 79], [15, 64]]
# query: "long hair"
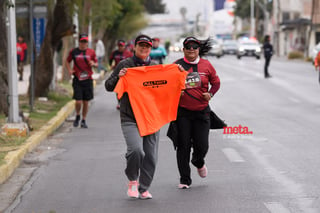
[[205, 46]]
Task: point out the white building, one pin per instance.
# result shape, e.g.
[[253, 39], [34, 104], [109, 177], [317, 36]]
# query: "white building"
[[291, 21]]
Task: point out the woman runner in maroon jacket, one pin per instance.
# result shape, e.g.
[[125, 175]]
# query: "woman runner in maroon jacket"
[[193, 118]]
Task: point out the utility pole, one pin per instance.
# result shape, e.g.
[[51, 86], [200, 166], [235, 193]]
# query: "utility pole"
[[32, 57], [12, 64], [266, 15], [252, 29], [14, 126]]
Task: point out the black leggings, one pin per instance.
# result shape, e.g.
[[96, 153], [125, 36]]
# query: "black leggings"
[[266, 65], [193, 128]]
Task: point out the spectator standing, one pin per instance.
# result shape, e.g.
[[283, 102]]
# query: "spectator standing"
[[83, 59], [21, 55], [268, 52], [100, 52]]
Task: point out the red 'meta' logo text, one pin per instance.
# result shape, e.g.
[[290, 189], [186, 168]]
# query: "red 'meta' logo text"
[[237, 130]]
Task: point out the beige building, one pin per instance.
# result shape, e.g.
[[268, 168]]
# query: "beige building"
[[291, 26]]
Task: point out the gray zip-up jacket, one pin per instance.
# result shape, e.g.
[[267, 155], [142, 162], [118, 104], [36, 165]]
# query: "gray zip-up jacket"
[[126, 113]]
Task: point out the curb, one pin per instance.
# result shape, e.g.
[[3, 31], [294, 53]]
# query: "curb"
[[14, 158]]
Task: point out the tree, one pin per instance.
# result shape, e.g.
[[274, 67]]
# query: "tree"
[[183, 12], [242, 10], [116, 19], [3, 60], [154, 6], [59, 24], [313, 6]]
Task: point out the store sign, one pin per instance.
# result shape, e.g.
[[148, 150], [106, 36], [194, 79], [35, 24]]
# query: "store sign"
[[39, 25]]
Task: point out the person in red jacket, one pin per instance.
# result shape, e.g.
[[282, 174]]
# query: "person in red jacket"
[[117, 56], [193, 118], [317, 63], [83, 59], [21, 55]]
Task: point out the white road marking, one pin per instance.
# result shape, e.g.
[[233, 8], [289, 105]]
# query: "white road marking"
[[295, 189], [232, 155], [275, 207]]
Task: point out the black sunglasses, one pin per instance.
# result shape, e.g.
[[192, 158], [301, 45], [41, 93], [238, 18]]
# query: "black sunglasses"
[[194, 46]]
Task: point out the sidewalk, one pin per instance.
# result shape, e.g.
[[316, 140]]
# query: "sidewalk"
[[23, 85], [14, 158]]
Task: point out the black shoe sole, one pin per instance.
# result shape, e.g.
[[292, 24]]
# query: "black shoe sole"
[[75, 124], [84, 126]]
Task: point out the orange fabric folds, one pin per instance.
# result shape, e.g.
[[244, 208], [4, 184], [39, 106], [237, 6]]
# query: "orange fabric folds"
[[154, 93]]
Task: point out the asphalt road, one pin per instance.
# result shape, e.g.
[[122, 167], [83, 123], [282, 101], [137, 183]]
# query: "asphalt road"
[[275, 170]]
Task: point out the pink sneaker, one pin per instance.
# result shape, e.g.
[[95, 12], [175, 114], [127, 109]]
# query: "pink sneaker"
[[203, 171], [145, 195], [183, 186], [133, 189]]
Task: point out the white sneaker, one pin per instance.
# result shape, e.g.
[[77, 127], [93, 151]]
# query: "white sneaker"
[[183, 186], [145, 195]]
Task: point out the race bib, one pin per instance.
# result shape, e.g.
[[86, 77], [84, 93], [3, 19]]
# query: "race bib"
[[84, 75], [193, 80]]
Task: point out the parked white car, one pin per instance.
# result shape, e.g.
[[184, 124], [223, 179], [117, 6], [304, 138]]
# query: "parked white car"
[[249, 48], [177, 47]]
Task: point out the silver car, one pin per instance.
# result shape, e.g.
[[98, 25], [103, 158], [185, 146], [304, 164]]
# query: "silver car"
[[249, 48], [230, 47], [216, 48]]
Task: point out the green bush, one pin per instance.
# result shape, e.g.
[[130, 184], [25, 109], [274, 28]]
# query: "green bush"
[[308, 59], [295, 55]]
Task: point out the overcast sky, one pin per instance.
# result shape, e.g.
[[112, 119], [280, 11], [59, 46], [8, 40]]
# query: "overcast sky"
[[193, 7]]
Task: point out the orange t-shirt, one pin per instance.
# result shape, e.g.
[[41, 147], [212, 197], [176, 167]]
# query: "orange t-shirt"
[[154, 93]]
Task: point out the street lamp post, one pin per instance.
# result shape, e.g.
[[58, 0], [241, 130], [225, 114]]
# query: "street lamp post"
[[252, 29], [31, 98], [14, 125], [12, 65]]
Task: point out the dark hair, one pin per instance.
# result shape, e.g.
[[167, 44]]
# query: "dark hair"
[[121, 42], [205, 46], [266, 38]]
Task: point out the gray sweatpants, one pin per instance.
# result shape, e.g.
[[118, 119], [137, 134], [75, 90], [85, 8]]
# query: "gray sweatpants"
[[142, 155]]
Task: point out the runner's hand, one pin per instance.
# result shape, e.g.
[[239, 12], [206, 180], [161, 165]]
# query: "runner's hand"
[[181, 68], [71, 71], [122, 72], [206, 96], [93, 64]]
